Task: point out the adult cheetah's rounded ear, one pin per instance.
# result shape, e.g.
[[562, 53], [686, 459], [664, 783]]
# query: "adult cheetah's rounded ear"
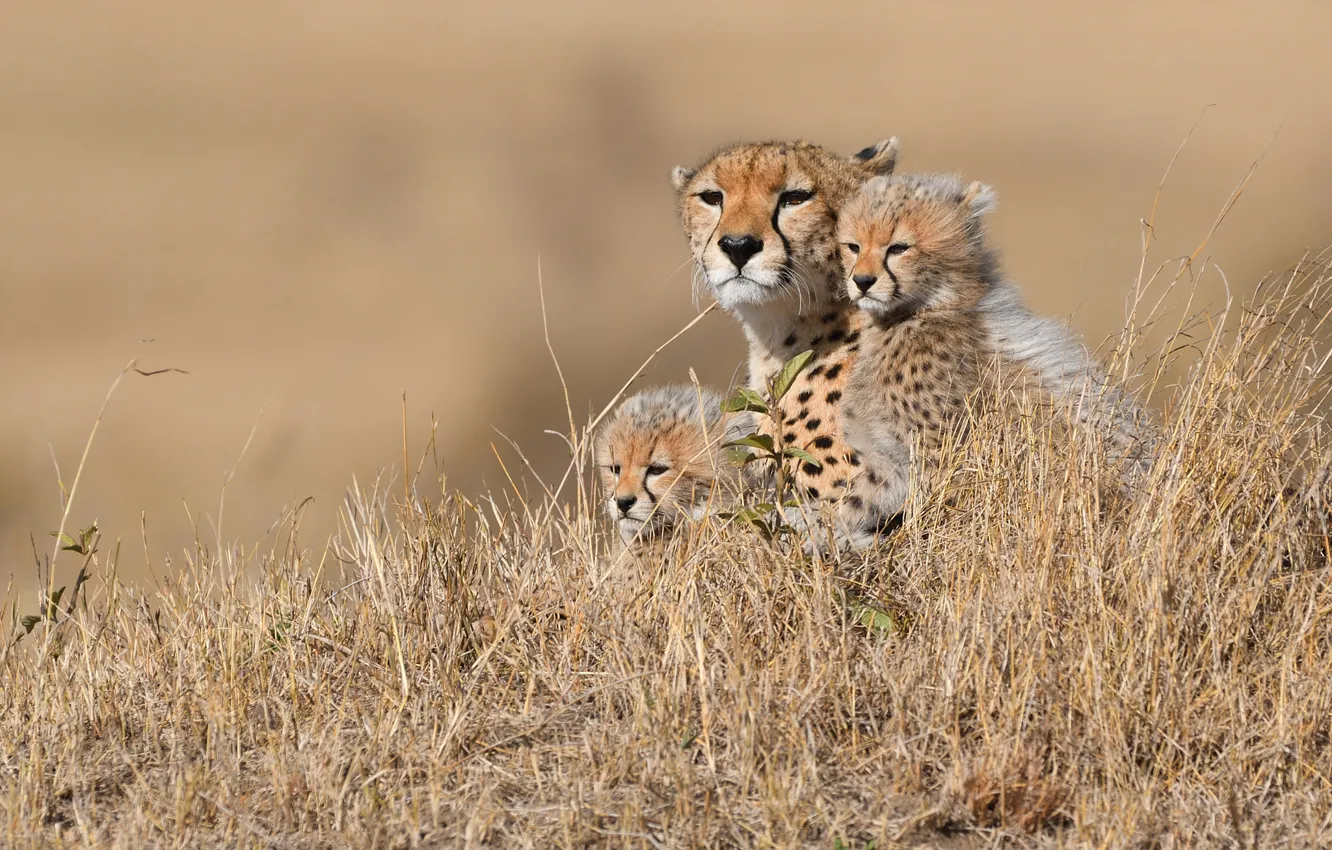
[[980, 199], [680, 177], [878, 159]]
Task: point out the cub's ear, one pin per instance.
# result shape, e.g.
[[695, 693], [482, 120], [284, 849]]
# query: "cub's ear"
[[680, 177], [980, 199], [878, 159]]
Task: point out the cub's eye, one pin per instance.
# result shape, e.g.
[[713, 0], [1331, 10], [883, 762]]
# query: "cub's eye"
[[794, 198], [712, 197], [898, 248], [614, 469], [852, 247], [658, 469]]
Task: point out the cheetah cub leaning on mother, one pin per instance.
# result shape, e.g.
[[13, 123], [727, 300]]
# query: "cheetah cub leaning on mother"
[[918, 265], [940, 312], [661, 463]]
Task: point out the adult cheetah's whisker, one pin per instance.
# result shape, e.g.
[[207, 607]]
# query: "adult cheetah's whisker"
[[698, 285], [806, 278]]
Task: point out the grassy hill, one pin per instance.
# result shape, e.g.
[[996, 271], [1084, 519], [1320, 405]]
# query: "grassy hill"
[[1047, 661]]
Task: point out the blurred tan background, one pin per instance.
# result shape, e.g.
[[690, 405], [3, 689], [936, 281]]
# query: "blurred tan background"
[[314, 208]]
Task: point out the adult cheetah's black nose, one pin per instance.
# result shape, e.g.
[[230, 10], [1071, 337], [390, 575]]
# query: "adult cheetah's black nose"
[[625, 503], [863, 282], [740, 248]]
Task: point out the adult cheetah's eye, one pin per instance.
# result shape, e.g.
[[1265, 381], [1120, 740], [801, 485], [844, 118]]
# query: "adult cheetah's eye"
[[712, 197], [898, 248], [852, 247], [794, 198], [614, 469], [658, 469]]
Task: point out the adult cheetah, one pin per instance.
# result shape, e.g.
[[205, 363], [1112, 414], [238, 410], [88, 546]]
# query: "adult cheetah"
[[760, 220]]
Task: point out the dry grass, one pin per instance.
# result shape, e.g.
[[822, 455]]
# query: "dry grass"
[[1080, 666]]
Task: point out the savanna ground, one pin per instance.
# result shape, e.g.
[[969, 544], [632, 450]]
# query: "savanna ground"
[[1048, 660]]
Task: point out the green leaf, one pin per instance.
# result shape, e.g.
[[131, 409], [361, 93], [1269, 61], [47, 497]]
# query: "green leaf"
[[792, 451], [874, 618], [787, 376], [751, 514], [756, 517], [30, 622], [81, 546], [754, 441], [53, 602], [838, 845], [737, 456], [744, 399], [879, 621], [740, 456]]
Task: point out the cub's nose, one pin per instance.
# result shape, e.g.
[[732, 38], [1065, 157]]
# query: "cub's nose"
[[625, 503], [863, 282], [740, 248]]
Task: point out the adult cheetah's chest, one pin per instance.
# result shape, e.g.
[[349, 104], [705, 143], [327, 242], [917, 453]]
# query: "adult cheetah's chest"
[[810, 412]]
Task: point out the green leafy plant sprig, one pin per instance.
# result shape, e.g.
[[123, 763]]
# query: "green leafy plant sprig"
[[769, 448]]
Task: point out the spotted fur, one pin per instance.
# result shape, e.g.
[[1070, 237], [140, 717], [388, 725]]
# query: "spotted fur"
[[761, 221], [918, 264], [1042, 347], [918, 267], [659, 459]]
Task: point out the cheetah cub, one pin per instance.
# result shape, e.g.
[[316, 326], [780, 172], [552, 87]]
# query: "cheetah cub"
[[917, 264], [661, 463]]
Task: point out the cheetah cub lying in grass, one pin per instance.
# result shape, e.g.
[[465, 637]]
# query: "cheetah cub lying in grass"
[[661, 462], [917, 264]]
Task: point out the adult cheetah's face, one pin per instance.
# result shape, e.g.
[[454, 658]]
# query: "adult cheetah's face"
[[760, 218]]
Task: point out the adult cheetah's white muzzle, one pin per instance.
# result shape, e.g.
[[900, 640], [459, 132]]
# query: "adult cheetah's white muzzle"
[[754, 286]]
